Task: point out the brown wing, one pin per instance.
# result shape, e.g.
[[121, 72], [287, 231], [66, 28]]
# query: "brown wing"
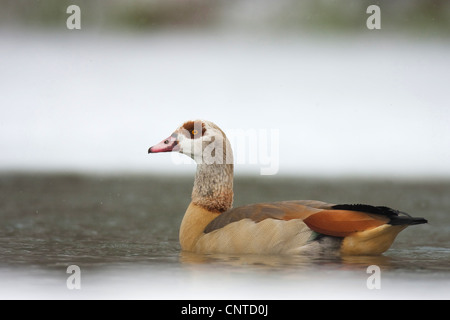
[[283, 210], [319, 216]]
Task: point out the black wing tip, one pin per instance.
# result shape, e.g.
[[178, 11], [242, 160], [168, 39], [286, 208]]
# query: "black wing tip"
[[396, 217], [407, 221], [385, 211]]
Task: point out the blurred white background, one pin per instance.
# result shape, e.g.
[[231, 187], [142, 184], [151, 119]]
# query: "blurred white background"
[[359, 103]]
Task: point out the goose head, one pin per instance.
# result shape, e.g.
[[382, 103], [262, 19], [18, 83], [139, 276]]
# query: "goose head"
[[201, 140]]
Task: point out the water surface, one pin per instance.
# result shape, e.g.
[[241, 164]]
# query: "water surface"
[[122, 231]]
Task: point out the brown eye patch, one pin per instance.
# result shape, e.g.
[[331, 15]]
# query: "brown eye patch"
[[195, 129]]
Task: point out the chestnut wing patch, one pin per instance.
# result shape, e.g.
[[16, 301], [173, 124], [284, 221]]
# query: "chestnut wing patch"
[[341, 223]]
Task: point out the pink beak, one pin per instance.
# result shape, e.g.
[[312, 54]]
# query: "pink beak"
[[167, 145]]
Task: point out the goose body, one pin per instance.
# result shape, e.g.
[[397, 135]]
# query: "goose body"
[[211, 225]]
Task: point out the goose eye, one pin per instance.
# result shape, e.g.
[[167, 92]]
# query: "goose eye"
[[196, 133]]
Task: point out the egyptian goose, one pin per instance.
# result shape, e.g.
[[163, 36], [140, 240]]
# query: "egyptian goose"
[[211, 225]]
